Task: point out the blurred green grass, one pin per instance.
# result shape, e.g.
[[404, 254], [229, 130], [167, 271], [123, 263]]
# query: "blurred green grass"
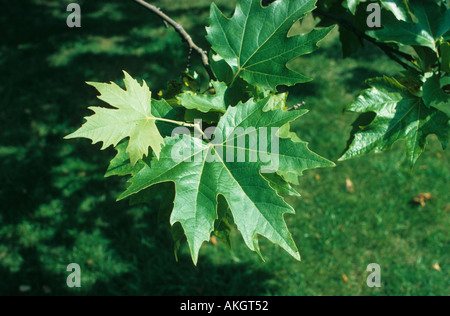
[[56, 207]]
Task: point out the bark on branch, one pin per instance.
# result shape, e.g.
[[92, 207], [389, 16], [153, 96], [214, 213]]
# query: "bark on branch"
[[182, 32]]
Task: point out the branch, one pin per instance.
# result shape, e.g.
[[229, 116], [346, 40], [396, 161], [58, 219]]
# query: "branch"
[[182, 32], [388, 50]]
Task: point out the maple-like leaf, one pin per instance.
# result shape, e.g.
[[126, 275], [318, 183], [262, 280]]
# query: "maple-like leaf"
[[255, 41], [134, 116], [400, 115], [432, 25], [400, 8], [201, 174]]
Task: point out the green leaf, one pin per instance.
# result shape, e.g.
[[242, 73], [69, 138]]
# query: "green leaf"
[[445, 55], [434, 96], [220, 68], [427, 58], [208, 118], [201, 174], [121, 166], [133, 117], [276, 102], [400, 8], [285, 132], [351, 42], [206, 103], [433, 23], [400, 115], [224, 223], [352, 5], [280, 185], [255, 42]]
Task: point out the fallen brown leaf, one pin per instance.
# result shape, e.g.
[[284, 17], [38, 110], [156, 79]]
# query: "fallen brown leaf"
[[436, 266], [422, 198], [349, 186], [345, 278]]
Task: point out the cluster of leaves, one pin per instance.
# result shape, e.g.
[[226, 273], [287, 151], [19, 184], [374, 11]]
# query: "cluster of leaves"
[[248, 56], [415, 104]]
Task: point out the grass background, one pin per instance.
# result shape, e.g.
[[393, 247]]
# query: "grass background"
[[56, 207]]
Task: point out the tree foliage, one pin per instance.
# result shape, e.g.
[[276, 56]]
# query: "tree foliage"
[[223, 177]]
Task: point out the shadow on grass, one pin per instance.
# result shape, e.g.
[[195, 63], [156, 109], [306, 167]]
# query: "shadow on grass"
[[121, 251]]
